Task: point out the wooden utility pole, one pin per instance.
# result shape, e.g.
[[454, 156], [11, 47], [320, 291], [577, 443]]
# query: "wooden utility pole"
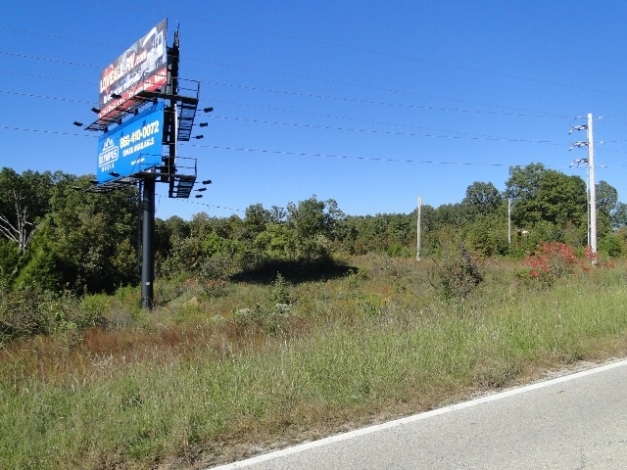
[[418, 217], [509, 221]]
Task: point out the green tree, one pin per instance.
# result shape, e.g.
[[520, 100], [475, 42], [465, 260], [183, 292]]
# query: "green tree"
[[316, 224], [24, 201], [255, 219], [482, 199], [524, 183], [562, 199], [92, 235], [546, 195], [619, 216], [453, 215], [606, 197]]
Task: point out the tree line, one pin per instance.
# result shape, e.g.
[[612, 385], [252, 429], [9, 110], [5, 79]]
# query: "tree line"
[[55, 236]]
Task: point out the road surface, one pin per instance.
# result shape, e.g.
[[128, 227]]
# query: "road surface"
[[574, 422]]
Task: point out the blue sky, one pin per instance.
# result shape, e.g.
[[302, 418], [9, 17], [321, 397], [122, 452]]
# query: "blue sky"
[[370, 103]]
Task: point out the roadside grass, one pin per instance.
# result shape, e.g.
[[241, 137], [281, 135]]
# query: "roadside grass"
[[219, 372]]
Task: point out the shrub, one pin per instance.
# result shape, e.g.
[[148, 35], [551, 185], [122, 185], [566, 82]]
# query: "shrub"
[[272, 321], [611, 245], [282, 290], [552, 261], [456, 275]]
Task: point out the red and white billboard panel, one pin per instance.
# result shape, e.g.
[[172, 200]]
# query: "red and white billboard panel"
[[142, 67]]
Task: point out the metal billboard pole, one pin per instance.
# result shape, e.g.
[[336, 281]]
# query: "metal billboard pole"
[[148, 252], [121, 107]]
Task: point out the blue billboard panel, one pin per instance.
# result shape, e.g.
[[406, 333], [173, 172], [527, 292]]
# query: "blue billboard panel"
[[132, 147]]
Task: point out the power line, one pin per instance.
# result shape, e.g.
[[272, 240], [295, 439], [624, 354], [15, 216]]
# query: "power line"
[[276, 152], [394, 133], [464, 136], [404, 92], [379, 103], [378, 53], [48, 59], [47, 131], [213, 206], [341, 157], [47, 77], [32, 95], [300, 76], [369, 87], [55, 36], [289, 153], [311, 95], [345, 118], [326, 97]]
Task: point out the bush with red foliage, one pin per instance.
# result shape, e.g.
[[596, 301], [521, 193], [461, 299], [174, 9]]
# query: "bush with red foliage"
[[554, 260]]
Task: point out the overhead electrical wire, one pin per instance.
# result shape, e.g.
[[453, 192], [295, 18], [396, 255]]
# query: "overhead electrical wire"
[[374, 88], [469, 137], [373, 52], [213, 206], [283, 110], [47, 77], [46, 131], [279, 152], [49, 59], [393, 133], [464, 136], [524, 113], [379, 103], [32, 95], [331, 116], [316, 96], [348, 157], [301, 76], [474, 137]]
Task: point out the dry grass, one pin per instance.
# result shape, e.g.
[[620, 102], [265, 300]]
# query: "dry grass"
[[221, 372]]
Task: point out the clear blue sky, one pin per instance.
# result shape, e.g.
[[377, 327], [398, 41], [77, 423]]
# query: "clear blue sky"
[[371, 103]]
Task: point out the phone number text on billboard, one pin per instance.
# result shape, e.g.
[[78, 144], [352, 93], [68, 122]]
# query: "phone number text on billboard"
[[140, 134]]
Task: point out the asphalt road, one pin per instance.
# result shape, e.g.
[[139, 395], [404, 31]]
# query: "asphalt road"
[[575, 422]]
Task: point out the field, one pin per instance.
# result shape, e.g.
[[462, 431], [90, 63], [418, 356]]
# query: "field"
[[221, 370]]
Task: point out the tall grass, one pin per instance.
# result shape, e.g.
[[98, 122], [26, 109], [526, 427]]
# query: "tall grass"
[[196, 382]]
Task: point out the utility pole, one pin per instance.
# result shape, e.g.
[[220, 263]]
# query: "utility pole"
[[509, 220], [418, 217], [593, 191], [592, 203]]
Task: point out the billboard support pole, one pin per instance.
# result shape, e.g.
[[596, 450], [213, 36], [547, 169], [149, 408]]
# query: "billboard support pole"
[[148, 252], [148, 196], [158, 125]]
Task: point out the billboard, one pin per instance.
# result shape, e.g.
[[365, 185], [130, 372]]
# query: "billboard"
[[132, 147], [142, 67]]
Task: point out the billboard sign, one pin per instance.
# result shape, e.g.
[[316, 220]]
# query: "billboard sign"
[[133, 147], [142, 67]]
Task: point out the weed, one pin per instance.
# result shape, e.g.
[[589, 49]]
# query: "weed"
[[256, 364], [456, 275], [553, 261]]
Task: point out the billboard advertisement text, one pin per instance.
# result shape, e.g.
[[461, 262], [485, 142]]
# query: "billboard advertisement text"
[[142, 67], [133, 147]]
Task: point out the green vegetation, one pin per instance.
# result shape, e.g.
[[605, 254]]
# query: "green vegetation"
[[286, 325], [222, 369]]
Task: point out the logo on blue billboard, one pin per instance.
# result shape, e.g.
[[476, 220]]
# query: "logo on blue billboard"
[[132, 147], [108, 156]]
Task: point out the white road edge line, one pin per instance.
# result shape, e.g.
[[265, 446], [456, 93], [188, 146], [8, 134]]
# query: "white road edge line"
[[418, 417]]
